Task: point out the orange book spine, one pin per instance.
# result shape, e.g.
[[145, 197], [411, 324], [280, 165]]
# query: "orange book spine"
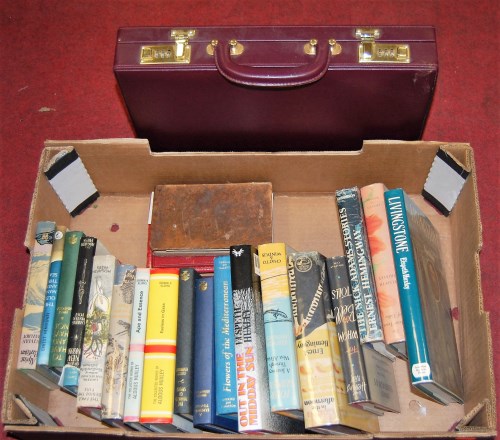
[[377, 228]]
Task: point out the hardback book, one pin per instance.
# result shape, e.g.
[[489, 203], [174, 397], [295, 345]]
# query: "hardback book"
[[65, 300], [49, 309], [225, 362], [379, 239], [254, 408], [184, 360], [179, 424], [157, 401], [133, 391], [204, 391], [357, 251], [325, 410], [201, 263], [149, 253], [38, 277], [281, 351], [70, 374], [368, 376], [205, 219], [425, 302], [95, 341], [116, 363]]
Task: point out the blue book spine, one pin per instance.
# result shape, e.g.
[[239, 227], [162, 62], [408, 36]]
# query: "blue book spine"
[[204, 416], [49, 310], [204, 397], [284, 388], [418, 353], [225, 365]]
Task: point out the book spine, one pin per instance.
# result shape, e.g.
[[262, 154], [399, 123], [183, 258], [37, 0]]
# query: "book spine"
[[35, 297], [225, 364], [65, 299], [402, 248], [157, 402], [347, 330], [116, 361], [132, 410], [308, 282], [350, 416], [379, 239], [278, 327], [80, 301], [251, 366], [204, 396], [200, 263], [183, 397], [49, 310], [95, 343], [359, 263]]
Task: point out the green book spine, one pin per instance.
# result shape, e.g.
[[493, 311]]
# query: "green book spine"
[[65, 299]]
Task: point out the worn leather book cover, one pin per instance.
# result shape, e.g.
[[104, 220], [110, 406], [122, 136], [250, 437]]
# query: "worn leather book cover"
[[210, 217]]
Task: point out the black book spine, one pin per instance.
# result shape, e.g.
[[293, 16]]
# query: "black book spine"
[[184, 363], [347, 329], [359, 264], [246, 290], [80, 301]]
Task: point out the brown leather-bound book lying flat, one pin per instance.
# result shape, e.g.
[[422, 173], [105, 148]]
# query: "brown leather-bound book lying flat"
[[209, 218]]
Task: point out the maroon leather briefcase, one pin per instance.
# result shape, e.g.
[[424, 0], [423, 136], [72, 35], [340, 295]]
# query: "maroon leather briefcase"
[[276, 88]]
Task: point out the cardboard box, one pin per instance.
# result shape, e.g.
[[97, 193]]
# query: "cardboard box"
[[125, 172]]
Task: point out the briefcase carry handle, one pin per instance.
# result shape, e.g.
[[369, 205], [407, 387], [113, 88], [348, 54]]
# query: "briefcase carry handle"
[[280, 77]]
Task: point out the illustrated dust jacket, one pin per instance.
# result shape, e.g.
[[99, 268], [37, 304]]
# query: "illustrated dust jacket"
[[95, 343]]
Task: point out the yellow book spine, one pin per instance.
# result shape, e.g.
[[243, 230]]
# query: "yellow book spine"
[[157, 402]]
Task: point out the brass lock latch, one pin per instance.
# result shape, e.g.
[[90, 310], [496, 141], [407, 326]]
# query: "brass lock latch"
[[371, 52], [179, 52]]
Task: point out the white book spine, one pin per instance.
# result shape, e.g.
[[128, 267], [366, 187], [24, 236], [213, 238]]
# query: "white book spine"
[[136, 351]]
